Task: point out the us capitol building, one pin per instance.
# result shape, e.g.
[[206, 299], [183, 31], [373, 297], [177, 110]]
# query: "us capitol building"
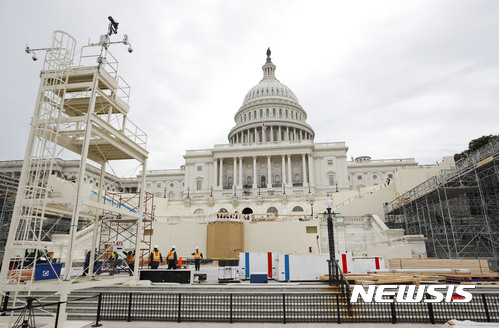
[[265, 190], [271, 153]]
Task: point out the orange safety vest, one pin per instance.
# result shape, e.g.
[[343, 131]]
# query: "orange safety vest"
[[197, 255], [155, 256], [171, 255], [130, 258]]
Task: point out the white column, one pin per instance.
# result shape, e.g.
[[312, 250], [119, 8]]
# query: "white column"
[[255, 184], [294, 134], [241, 171], [283, 170], [249, 138], [272, 134], [269, 180], [311, 169], [234, 172], [290, 180], [279, 137], [305, 180], [221, 181], [256, 136], [215, 172]]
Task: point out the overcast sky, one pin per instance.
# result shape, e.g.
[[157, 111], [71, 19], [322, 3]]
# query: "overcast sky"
[[393, 79]]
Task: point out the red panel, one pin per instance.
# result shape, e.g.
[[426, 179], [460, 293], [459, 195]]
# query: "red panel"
[[344, 260], [376, 260], [269, 264]]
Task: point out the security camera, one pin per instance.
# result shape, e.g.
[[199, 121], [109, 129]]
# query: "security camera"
[[27, 50], [34, 57], [130, 49]]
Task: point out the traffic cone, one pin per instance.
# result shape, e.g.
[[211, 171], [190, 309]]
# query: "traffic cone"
[[179, 261]]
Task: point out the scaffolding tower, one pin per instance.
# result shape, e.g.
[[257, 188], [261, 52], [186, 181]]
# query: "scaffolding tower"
[[457, 210], [80, 109]]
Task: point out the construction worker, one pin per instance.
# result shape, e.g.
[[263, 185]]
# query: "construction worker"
[[130, 261], [197, 259], [172, 258], [156, 258]]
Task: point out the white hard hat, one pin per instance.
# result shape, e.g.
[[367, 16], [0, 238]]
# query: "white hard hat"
[[197, 247], [173, 246], [155, 246]]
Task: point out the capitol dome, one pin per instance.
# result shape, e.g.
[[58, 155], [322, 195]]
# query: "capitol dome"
[[269, 86], [270, 113]]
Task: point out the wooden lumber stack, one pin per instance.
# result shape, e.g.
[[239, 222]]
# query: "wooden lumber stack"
[[475, 266], [473, 279], [393, 279]]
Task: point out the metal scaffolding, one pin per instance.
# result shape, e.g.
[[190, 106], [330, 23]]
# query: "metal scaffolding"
[[81, 109], [8, 191], [457, 211]]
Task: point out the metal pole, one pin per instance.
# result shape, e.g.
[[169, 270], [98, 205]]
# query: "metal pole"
[[57, 314], [283, 308], [5, 303], [97, 319], [129, 308], [332, 257]]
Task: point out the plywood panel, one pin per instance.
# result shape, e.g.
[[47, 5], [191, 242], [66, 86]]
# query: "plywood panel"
[[225, 239]]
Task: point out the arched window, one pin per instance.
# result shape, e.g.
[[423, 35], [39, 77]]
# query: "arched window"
[[229, 182], [171, 194], [280, 112], [273, 111], [272, 210], [254, 114], [249, 180], [267, 111], [297, 209], [247, 210], [223, 210], [277, 179], [261, 112], [263, 181], [297, 178], [199, 211]]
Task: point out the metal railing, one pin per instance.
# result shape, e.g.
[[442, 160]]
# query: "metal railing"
[[286, 307], [28, 314], [337, 278]]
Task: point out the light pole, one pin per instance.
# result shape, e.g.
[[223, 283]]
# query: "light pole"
[[188, 193], [259, 190], [165, 193], [336, 186], [284, 189], [211, 191], [235, 190], [312, 209], [333, 267], [309, 188]]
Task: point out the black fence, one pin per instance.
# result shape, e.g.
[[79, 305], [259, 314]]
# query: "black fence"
[[224, 307], [27, 313]]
